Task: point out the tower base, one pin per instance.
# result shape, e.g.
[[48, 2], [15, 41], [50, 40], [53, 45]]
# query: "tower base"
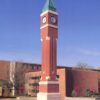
[[48, 96]]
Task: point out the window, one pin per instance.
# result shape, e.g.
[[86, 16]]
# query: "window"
[[57, 76]]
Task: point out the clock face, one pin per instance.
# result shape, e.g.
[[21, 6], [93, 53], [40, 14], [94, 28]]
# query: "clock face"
[[44, 20], [53, 20]]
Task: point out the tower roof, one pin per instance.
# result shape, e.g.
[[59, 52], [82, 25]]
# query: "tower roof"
[[49, 6]]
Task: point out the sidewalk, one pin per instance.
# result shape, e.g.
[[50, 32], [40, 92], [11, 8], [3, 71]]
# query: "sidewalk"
[[20, 98], [26, 98]]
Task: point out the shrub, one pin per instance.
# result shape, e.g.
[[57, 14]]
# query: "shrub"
[[74, 94]]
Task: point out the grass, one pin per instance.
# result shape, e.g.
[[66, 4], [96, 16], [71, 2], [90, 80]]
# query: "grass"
[[7, 96]]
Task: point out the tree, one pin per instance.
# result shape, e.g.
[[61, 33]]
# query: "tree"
[[12, 77], [20, 70], [81, 65]]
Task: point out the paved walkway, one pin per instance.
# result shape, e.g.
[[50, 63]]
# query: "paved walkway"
[[26, 98], [21, 98]]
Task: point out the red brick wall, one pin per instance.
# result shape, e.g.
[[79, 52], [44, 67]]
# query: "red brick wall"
[[69, 79], [62, 82], [4, 70], [99, 80], [81, 80]]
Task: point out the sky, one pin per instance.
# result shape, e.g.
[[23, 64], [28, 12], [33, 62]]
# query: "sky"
[[79, 31]]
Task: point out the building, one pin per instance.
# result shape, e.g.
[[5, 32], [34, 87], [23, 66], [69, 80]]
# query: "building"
[[70, 79], [27, 77], [4, 70], [47, 80], [13, 74], [21, 68], [49, 85], [4, 76]]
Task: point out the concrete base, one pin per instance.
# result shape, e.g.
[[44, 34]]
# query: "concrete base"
[[48, 96]]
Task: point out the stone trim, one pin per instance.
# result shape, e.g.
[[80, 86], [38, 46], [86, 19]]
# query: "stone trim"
[[54, 26], [47, 38], [49, 11], [41, 40], [48, 82], [48, 96], [49, 93]]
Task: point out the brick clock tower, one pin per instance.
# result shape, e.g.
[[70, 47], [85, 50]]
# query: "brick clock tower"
[[49, 86]]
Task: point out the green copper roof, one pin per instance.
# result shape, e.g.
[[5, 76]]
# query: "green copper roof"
[[49, 6]]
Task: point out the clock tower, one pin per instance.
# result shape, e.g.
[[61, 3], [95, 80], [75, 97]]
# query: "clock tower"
[[49, 85]]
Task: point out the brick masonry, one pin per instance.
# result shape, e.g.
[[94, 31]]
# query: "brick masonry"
[[4, 70], [68, 77]]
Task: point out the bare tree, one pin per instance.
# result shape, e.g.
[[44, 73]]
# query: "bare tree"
[[12, 77], [81, 65], [20, 71]]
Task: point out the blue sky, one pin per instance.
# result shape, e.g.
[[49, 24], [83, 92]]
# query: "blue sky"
[[79, 31]]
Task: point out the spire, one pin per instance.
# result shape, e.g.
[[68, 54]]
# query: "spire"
[[49, 6]]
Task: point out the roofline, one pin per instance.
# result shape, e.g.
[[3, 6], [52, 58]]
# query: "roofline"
[[66, 67]]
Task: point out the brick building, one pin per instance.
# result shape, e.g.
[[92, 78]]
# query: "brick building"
[[27, 77], [69, 79], [4, 70], [14, 72], [4, 76], [21, 68]]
